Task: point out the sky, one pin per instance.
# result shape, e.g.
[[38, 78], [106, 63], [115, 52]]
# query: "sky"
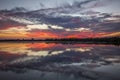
[[108, 5], [59, 18]]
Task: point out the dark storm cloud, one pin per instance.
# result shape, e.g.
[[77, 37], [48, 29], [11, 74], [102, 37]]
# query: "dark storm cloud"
[[79, 4], [76, 3], [107, 27], [42, 5], [9, 24]]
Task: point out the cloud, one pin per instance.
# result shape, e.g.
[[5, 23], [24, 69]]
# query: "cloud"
[[43, 27], [21, 20], [37, 26], [75, 3], [42, 35], [42, 5], [69, 4], [19, 9], [95, 4], [79, 4], [82, 29], [114, 34], [56, 27], [13, 33], [9, 24], [106, 27]]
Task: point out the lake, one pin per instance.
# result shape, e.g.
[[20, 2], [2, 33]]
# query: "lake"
[[59, 61]]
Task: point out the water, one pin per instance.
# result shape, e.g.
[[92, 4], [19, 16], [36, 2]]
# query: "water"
[[59, 61]]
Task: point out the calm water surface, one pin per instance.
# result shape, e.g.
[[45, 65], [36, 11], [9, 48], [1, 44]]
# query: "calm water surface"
[[58, 61]]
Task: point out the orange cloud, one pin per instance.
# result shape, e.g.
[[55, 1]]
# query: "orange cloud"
[[12, 35], [81, 35], [114, 34], [22, 32], [93, 35], [42, 35]]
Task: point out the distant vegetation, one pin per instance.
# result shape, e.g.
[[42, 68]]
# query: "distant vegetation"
[[111, 40]]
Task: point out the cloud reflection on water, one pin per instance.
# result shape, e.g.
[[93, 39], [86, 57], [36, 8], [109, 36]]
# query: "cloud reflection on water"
[[57, 56]]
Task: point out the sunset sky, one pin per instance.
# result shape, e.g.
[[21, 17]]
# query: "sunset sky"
[[41, 19]]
